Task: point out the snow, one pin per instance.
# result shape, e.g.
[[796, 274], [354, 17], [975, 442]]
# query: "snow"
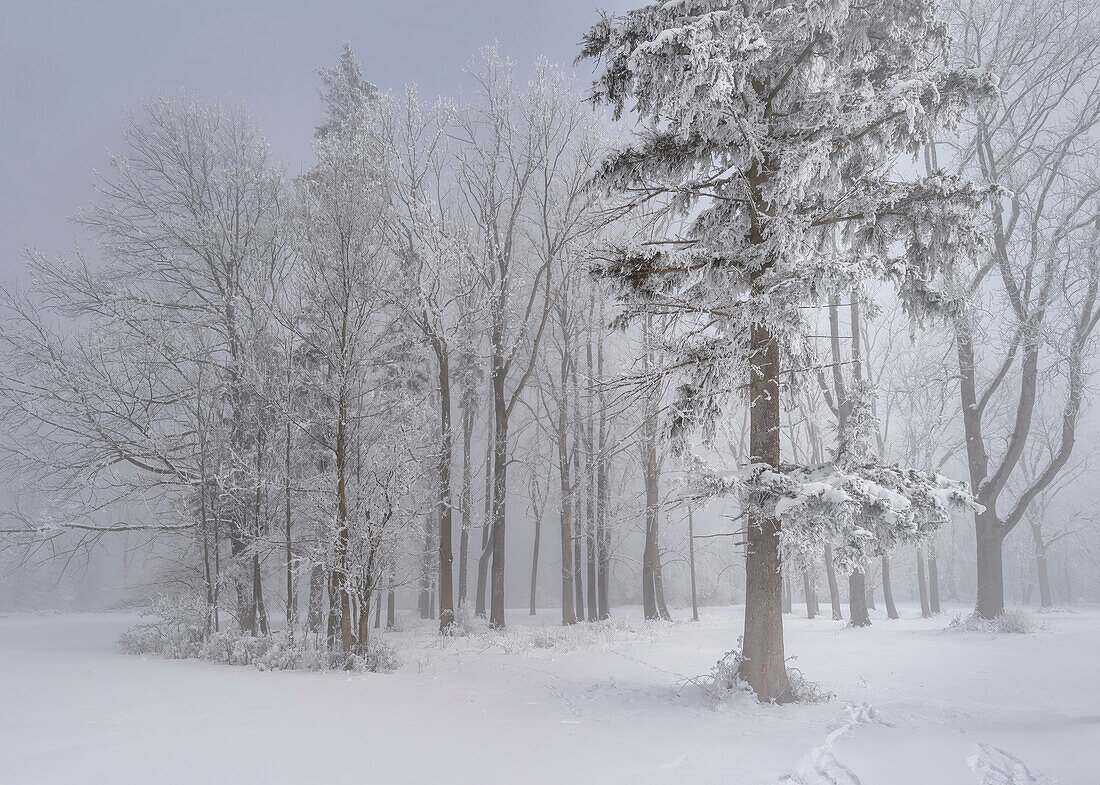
[[914, 704]]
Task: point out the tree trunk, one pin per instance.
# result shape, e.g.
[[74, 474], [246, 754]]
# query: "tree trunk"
[[486, 556], [991, 590], [857, 600], [834, 587], [922, 585], [424, 599], [1045, 600], [888, 590], [500, 498], [807, 590], [649, 554], [291, 595], [578, 522], [933, 581], [788, 601], [535, 560], [764, 668], [315, 614], [446, 553], [659, 579], [467, 500], [691, 566], [603, 536], [590, 481], [391, 610]]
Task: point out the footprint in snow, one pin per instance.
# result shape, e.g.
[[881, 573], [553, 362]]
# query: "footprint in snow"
[[823, 768], [993, 766]]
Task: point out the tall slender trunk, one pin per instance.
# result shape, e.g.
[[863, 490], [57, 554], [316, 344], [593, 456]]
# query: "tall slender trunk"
[[888, 590], [603, 536], [578, 513], [486, 556], [808, 593], [291, 599], [659, 580], [568, 608], [535, 561], [446, 555], [933, 580], [834, 587], [590, 478], [316, 612], [424, 599], [500, 497], [764, 667], [649, 555], [922, 585], [1045, 600], [257, 577], [788, 600], [691, 566], [467, 502]]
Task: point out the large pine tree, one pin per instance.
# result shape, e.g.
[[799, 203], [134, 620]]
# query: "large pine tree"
[[770, 133]]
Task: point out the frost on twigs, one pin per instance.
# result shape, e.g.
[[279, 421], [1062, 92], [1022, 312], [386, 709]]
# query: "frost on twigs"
[[724, 681]]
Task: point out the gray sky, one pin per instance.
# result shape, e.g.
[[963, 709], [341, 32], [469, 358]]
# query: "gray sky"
[[68, 70]]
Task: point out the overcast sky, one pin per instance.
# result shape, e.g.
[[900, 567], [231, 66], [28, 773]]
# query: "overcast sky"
[[68, 70]]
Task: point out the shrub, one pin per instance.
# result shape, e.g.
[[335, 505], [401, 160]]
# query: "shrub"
[[180, 632], [1013, 622]]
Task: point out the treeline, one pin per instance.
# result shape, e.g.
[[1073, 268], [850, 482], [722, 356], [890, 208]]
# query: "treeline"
[[344, 380]]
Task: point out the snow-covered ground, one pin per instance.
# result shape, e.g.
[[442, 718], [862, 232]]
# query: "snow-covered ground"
[[604, 704]]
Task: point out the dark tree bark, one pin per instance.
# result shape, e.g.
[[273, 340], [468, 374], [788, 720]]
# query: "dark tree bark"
[[857, 600], [316, 612], [888, 590], [764, 668], [603, 536], [446, 523], [691, 566], [808, 592], [933, 581], [922, 585], [467, 502], [486, 556], [834, 588], [788, 601]]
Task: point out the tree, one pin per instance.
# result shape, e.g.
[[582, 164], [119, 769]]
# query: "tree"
[[770, 130], [147, 391], [1038, 142], [368, 375], [521, 162]]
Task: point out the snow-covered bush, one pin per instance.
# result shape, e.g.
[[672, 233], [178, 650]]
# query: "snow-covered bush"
[[179, 632], [1012, 621], [724, 680], [379, 657]]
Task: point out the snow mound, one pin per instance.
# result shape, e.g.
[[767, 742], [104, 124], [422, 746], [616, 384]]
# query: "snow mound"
[[994, 766]]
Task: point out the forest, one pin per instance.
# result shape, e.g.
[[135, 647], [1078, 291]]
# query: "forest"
[[746, 361]]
